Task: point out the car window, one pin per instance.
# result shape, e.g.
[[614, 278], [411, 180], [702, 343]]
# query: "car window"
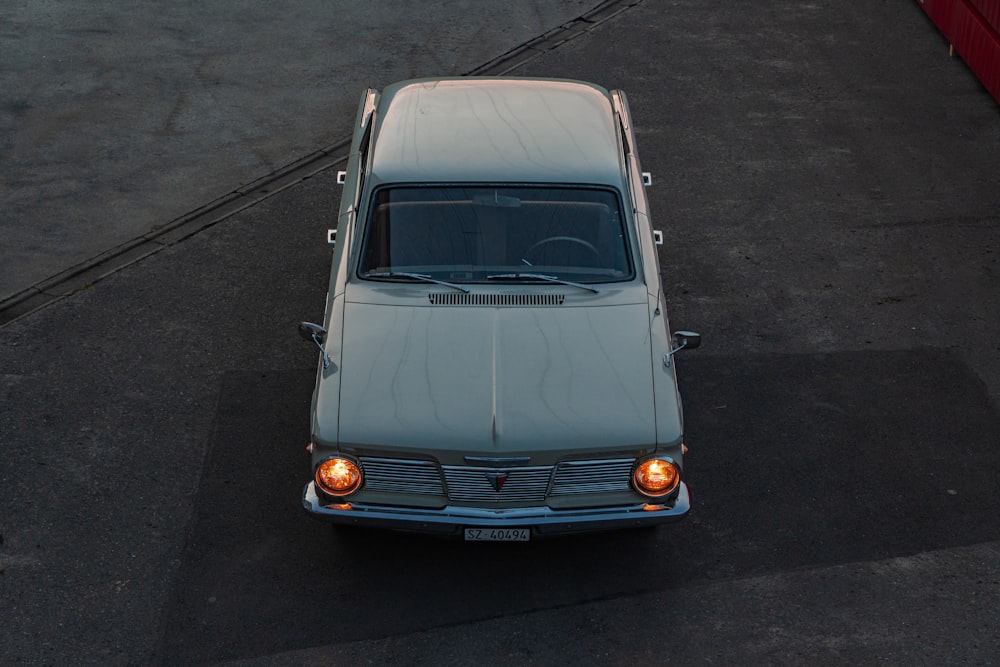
[[468, 234]]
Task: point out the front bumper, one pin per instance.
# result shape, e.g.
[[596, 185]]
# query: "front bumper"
[[543, 521]]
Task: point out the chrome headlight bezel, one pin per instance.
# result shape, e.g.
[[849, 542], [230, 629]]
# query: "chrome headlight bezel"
[[338, 476], [656, 476]]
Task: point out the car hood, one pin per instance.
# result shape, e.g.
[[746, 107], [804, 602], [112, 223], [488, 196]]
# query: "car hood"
[[484, 379]]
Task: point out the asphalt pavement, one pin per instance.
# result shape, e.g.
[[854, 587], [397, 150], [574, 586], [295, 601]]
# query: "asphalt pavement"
[[120, 123], [826, 179]]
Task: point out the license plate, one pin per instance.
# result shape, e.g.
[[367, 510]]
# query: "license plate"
[[497, 534]]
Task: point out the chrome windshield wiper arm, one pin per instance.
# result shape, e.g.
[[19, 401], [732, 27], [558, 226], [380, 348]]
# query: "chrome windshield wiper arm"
[[415, 276], [539, 276]]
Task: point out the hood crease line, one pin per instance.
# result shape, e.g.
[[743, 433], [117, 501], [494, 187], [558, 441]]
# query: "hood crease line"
[[493, 430]]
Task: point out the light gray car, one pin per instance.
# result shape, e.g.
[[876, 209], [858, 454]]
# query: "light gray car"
[[496, 362]]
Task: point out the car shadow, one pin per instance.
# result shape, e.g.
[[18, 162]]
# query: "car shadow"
[[796, 461]]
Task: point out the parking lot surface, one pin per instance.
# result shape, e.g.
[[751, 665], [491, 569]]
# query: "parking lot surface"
[[119, 121], [826, 181]]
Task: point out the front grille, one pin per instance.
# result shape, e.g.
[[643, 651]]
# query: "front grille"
[[402, 476], [592, 477], [519, 484], [473, 299], [472, 484]]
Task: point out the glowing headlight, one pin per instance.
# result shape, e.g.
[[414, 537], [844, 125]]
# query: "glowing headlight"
[[338, 477], [656, 477]]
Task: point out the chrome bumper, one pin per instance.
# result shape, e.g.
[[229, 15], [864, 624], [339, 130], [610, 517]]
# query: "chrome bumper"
[[452, 520]]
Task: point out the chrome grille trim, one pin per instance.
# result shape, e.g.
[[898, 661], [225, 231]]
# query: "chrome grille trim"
[[402, 476], [473, 299], [592, 476], [471, 484]]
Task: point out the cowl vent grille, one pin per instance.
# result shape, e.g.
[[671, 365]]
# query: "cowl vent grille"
[[472, 299]]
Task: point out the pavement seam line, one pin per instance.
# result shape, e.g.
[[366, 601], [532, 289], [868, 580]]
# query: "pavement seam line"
[[83, 275]]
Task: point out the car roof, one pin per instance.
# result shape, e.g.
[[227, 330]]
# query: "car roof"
[[495, 130]]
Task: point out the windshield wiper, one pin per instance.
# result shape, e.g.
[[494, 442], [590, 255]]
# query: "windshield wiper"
[[539, 276], [416, 276]]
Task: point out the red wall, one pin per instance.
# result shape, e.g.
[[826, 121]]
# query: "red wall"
[[990, 10], [973, 28]]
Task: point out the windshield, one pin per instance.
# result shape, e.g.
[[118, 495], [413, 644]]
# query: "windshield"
[[473, 234]]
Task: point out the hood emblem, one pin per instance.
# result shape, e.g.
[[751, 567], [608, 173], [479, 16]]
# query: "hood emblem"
[[497, 479]]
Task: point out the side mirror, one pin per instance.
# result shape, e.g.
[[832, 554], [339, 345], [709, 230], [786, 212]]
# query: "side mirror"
[[687, 339], [312, 332], [316, 334], [683, 340]]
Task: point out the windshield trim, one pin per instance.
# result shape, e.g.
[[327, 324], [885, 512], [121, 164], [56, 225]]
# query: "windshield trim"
[[629, 248]]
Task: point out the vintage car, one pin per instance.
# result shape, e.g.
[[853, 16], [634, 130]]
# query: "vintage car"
[[495, 358]]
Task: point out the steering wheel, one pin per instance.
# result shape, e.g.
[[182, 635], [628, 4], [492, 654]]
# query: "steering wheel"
[[566, 239]]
